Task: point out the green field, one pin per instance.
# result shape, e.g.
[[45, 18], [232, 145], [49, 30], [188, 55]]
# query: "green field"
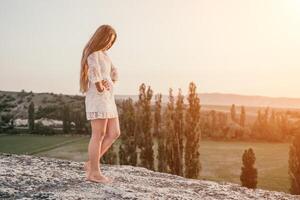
[[33, 144], [221, 161]]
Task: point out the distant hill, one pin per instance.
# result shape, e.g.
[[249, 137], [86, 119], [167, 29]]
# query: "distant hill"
[[17, 102], [245, 100]]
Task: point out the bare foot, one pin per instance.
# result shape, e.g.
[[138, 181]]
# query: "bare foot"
[[98, 178], [109, 179], [87, 169], [86, 166]]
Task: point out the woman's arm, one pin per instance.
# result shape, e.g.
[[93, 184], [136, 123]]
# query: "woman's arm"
[[94, 71], [114, 73]]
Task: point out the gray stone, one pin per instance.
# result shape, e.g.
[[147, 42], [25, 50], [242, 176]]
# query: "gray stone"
[[33, 177]]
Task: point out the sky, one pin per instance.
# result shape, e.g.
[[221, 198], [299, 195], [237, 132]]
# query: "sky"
[[248, 47]]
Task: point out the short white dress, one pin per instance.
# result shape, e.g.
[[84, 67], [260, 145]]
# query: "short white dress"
[[100, 104]]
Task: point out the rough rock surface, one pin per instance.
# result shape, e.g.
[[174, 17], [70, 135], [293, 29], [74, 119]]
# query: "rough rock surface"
[[33, 177]]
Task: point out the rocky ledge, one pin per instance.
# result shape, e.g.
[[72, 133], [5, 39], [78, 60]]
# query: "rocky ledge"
[[33, 177]]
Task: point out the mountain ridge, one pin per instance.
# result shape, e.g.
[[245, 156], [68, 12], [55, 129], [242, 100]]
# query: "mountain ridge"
[[209, 99]]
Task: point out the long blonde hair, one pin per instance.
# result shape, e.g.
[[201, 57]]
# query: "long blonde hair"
[[98, 41]]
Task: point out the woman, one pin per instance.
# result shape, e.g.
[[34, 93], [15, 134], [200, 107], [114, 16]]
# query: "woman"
[[97, 78]]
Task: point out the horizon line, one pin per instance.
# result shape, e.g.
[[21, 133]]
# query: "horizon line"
[[220, 93]]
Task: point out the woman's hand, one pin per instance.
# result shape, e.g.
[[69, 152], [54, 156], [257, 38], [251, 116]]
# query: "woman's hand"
[[106, 84], [101, 86]]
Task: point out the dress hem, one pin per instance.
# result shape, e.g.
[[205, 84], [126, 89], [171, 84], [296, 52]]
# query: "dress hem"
[[101, 115]]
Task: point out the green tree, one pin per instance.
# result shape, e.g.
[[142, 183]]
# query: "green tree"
[[160, 134], [243, 116], [214, 126], [233, 113], [127, 149], [7, 118], [31, 116], [172, 139], [157, 121], [179, 129], [66, 119], [193, 134], [248, 175], [144, 102], [79, 120], [110, 156], [294, 165], [271, 128], [274, 128], [284, 125]]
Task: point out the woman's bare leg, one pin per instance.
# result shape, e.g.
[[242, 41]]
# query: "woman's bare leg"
[[98, 133], [112, 133]]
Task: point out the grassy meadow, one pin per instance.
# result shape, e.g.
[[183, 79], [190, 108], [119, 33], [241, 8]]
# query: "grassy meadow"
[[34, 144], [221, 160]]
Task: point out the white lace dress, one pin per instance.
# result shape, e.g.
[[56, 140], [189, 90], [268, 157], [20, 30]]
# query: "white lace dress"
[[100, 104]]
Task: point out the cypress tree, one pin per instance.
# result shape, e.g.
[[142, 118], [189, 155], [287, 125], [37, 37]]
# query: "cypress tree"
[[268, 128], [110, 156], [139, 140], [31, 116], [243, 116], [179, 129], [169, 131], [193, 134], [274, 128], [233, 113], [161, 136], [157, 115], [256, 128], [248, 175], [222, 118], [78, 118], [284, 125], [213, 122], [127, 149], [172, 143], [147, 154], [66, 119], [294, 165], [266, 131]]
